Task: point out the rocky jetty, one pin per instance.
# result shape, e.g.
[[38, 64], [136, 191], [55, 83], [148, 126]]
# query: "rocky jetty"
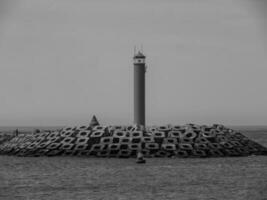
[[125, 141]]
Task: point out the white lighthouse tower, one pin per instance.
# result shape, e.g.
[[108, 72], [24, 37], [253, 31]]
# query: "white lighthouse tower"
[[139, 88]]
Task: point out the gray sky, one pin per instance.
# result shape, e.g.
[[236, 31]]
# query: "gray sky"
[[61, 61]]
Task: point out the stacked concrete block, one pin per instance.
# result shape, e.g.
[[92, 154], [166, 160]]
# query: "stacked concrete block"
[[184, 141]]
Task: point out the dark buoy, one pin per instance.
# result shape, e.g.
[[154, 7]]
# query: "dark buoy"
[[16, 132], [140, 158]]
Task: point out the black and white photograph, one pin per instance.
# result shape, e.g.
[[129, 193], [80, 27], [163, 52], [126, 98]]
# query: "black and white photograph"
[[133, 99]]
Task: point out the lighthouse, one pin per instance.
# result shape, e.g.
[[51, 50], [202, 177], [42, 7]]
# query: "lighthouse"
[[139, 88]]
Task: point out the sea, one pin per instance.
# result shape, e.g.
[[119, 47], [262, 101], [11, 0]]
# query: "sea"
[[71, 178]]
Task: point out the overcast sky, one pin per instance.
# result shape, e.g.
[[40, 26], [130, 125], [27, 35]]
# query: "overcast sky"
[[61, 61]]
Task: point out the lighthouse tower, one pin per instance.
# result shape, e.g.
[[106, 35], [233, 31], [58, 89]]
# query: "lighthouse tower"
[[139, 88]]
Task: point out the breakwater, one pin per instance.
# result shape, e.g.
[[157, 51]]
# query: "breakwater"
[[189, 140]]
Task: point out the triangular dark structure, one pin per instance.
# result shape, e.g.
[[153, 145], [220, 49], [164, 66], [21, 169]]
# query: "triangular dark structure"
[[94, 121]]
